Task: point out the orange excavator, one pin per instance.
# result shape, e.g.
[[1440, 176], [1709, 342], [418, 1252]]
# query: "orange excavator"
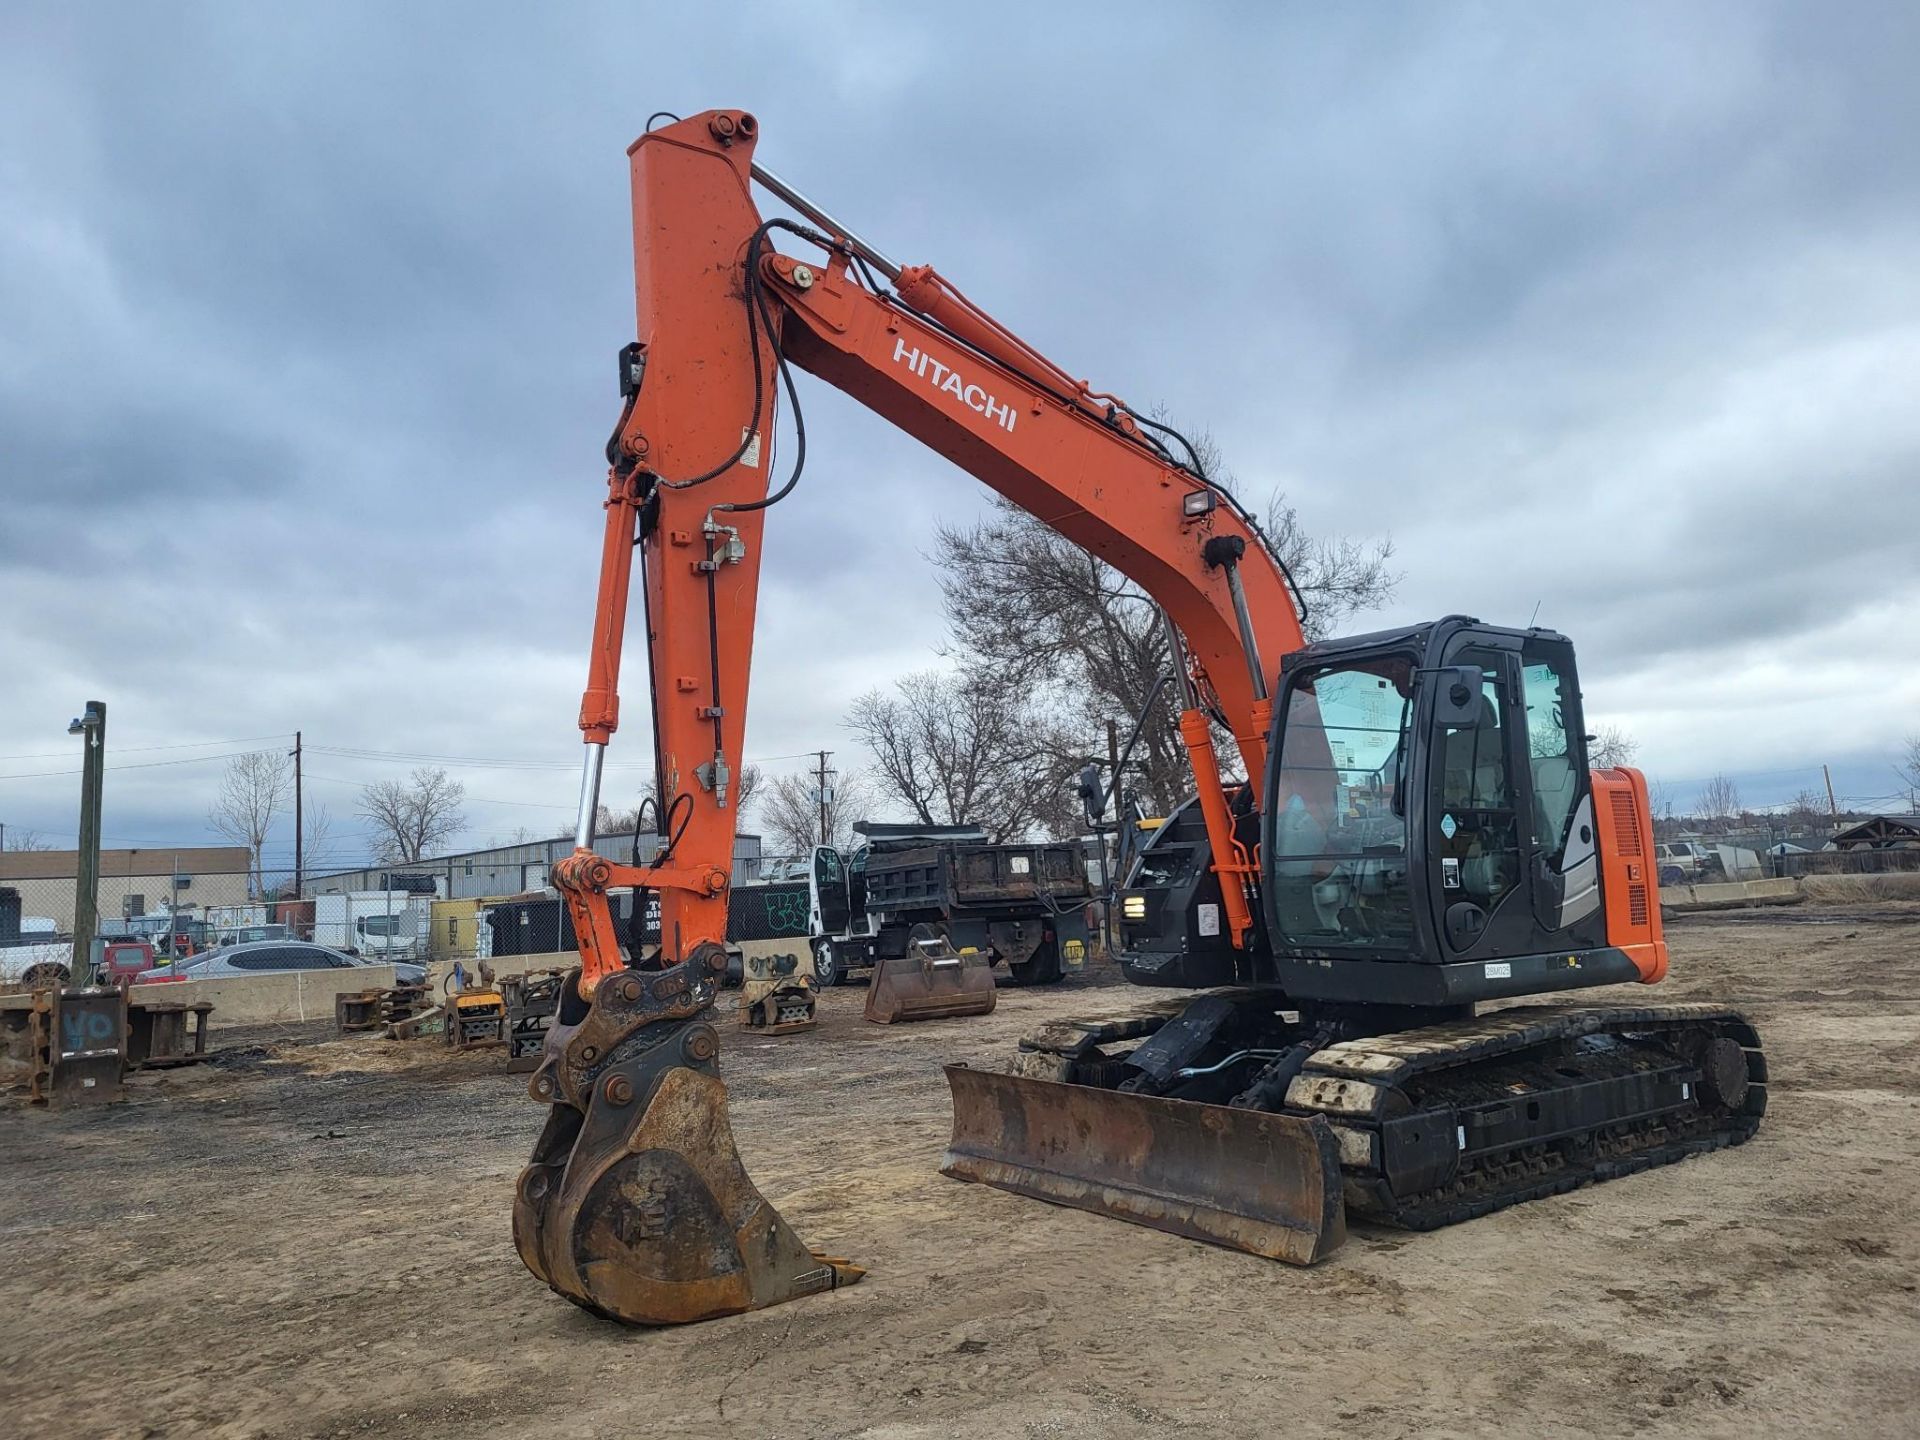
[[1413, 831]]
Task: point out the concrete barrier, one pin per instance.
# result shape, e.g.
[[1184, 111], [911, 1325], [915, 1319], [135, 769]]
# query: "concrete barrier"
[[1731, 895], [261, 999]]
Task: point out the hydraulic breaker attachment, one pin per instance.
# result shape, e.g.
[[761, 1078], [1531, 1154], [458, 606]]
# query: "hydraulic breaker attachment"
[[1267, 1184], [932, 981], [635, 1204]]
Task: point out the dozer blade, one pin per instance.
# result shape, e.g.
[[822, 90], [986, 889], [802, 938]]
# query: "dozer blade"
[[635, 1203], [1266, 1184], [931, 984]]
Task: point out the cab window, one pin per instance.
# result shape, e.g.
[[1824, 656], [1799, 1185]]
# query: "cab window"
[[1338, 865], [1553, 748]]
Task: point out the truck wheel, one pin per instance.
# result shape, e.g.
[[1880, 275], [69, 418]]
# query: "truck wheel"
[[1043, 968], [1672, 875], [45, 975], [826, 964]]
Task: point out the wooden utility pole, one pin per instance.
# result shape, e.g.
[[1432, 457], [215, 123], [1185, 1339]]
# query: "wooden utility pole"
[[1832, 808], [820, 794], [92, 728], [1109, 919], [299, 828]]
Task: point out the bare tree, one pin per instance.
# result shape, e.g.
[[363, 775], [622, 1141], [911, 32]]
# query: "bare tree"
[[791, 817], [1611, 747], [1338, 576], [746, 785], [415, 816], [316, 834], [253, 789], [1035, 611], [1719, 800], [611, 821], [1909, 771], [1809, 808], [1660, 802], [26, 840], [957, 749]]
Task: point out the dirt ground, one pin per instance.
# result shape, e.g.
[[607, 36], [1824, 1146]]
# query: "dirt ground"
[[312, 1239]]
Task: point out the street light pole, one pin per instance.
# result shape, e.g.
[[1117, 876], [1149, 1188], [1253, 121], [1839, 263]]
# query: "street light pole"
[[92, 728]]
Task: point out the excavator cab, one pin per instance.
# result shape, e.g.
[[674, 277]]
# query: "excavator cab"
[[1428, 835]]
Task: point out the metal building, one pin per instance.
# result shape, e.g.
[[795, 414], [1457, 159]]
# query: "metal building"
[[506, 869]]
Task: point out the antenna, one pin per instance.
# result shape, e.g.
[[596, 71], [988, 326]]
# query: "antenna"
[[1535, 616]]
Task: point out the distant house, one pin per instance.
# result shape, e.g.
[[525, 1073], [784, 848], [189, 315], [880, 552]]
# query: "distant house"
[[1881, 832]]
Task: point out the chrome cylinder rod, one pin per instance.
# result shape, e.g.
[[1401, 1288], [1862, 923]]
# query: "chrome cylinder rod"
[[1177, 656], [813, 212], [1248, 642], [589, 796]]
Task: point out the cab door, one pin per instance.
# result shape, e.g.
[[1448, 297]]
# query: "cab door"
[[828, 894], [1513, 866], [1474, 814], [1564, 867]]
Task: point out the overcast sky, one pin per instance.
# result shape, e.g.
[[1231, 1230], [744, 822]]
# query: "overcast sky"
[[308, 317]]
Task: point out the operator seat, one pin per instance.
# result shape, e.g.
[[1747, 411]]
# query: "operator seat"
[[1474, 781], [1474, 765], [1553, 794]]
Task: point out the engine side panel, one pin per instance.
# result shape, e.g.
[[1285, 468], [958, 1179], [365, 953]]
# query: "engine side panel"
[[1623, 816]]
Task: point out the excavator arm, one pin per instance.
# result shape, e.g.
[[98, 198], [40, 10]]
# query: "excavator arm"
[[721, 312], [635, 1202]]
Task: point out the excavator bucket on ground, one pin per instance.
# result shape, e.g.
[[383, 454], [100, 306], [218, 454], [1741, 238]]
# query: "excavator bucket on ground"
[[932, 981], [635, 1204], [1267, 1184]]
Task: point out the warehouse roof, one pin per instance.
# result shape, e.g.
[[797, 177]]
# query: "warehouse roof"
[[122, 864]]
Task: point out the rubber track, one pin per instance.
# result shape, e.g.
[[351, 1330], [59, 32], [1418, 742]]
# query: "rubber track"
[[1391, 1059], [1496, 1182]]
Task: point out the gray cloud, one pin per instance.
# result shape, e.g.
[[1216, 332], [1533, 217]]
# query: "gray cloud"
[[308, 318]]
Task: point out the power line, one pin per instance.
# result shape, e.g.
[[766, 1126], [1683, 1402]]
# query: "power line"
[[142, 749], [137, 765], [492, 762], [475, 799]]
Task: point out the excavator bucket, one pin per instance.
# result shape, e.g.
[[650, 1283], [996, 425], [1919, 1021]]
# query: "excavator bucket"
[[1249, 1180], [635, 1204], [931, 982]]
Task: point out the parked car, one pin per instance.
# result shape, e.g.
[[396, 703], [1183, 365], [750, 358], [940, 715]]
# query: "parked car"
[[274, 957], [252, 934], [1687, 862]]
